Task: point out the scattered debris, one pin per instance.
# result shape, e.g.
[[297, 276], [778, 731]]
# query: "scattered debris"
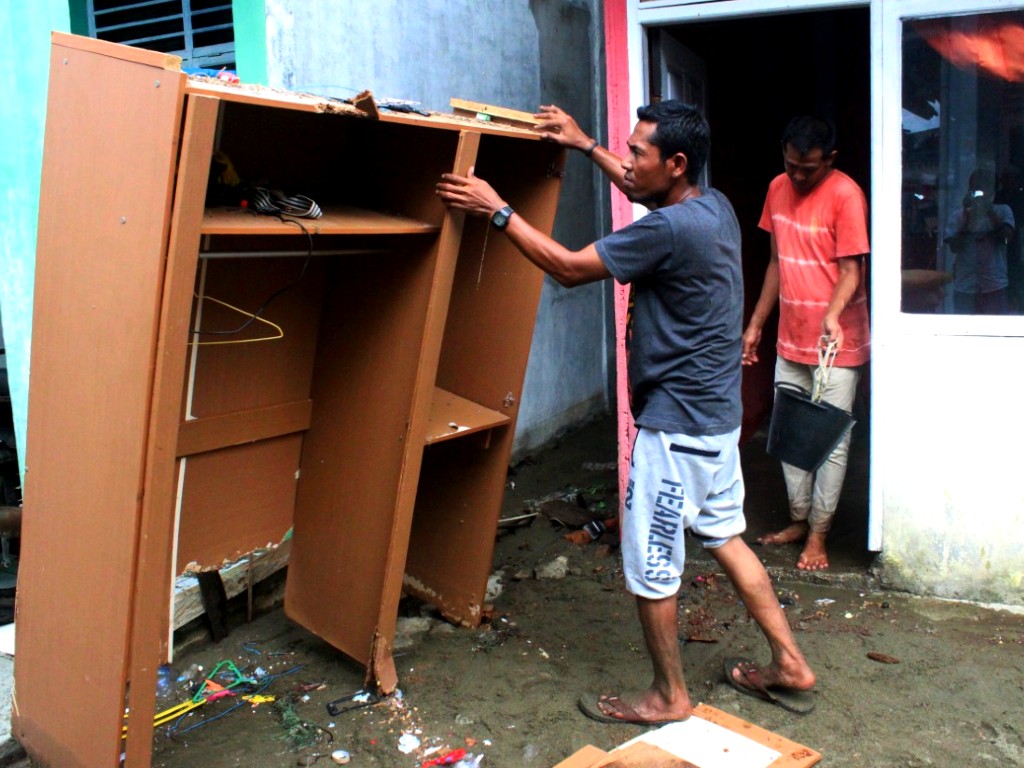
[[788, 598], [884, 658], [448, 758], [568, 514], [299, 733], [407, 743], [594, 530], [701, 626], [555, 569], [356, 700], [256, 700], [494, 586], [517, 521]]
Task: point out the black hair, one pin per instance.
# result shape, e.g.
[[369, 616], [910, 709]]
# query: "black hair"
[[806, 132], [680, 128], [982, 178]]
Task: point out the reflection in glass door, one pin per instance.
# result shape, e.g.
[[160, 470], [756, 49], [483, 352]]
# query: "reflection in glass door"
[[963, 164]]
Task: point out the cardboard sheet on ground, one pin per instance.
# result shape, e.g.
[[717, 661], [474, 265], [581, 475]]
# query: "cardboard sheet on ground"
[[709, 739]]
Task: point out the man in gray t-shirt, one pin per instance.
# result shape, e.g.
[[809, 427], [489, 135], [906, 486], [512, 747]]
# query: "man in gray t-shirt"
[[682, 262]]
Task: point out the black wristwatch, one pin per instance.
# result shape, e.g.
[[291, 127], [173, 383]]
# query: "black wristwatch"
[[500, 217]]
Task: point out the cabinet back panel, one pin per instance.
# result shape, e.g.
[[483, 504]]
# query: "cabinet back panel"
[[242, 375], [460, 493], [331, 158], [236, 500], [496, 290]]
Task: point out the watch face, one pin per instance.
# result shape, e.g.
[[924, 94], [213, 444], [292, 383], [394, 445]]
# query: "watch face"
[[500, 218]]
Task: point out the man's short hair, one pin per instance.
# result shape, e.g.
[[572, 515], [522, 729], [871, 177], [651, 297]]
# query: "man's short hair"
[[984, 178], [681, 128], [807, 132]]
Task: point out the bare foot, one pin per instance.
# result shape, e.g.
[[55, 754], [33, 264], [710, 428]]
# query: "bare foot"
[[797, 676], [814, 557], [644, 707], [791, 533]]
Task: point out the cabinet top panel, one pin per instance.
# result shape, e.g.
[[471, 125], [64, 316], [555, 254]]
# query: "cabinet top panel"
[[363, 107], [306, 102]]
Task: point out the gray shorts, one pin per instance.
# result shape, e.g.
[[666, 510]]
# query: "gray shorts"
[[678, 482]]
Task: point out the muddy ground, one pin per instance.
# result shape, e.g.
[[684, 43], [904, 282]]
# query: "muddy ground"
[[508, 690]]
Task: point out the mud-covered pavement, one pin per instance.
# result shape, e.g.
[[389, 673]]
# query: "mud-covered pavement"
[[902, 681]]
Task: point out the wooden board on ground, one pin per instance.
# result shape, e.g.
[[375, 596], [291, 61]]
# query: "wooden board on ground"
[[709, 739], [256, 566]]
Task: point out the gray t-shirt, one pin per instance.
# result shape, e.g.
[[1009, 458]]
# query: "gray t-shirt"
[[684, 330]]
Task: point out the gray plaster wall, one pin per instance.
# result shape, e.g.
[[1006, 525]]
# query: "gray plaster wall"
[[513, 53]]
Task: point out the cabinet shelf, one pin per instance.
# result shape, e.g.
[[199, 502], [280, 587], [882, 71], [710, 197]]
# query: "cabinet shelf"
[[449, 409], [337, 220]]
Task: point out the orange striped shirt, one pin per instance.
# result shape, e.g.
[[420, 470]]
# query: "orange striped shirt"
[[812, 232]]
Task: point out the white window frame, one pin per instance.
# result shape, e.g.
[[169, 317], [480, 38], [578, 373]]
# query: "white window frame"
[[888, 17]]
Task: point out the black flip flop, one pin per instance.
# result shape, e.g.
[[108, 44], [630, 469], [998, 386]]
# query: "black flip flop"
[[790, 699], [588, 704]]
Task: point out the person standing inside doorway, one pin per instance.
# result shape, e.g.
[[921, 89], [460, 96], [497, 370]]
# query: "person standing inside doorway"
[[979, 233], [816, 216], [682, 262]]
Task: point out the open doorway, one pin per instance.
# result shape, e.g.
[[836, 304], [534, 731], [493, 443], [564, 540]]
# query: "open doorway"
[[793, 63]]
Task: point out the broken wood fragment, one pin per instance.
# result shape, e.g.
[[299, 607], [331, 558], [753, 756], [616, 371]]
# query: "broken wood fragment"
[[365, 102]]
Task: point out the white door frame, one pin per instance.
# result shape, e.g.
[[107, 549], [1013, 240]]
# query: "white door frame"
[[663, 12], [892, 330]]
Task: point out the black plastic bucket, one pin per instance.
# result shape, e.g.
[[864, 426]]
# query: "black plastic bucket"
[[803, 433]]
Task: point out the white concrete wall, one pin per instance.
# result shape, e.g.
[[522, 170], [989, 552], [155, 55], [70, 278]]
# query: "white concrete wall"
[[514, 53], [949, 424], [947, 504]]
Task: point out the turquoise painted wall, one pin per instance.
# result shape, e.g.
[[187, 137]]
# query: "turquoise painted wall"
[[250, 20], [24, 69]]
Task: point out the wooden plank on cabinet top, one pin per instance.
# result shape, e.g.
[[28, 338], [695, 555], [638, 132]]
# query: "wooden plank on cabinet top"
[[493, 113], [337, 220], [453, 416]]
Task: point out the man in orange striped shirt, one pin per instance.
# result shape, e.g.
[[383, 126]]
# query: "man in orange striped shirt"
[[817, 218]]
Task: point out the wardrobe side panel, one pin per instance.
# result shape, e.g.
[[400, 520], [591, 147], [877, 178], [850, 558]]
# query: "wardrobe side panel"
[[150, 634], [109, 160]]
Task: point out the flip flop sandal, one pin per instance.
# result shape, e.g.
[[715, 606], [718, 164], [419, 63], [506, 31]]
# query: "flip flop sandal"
[[790, 699], [589, 705]]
